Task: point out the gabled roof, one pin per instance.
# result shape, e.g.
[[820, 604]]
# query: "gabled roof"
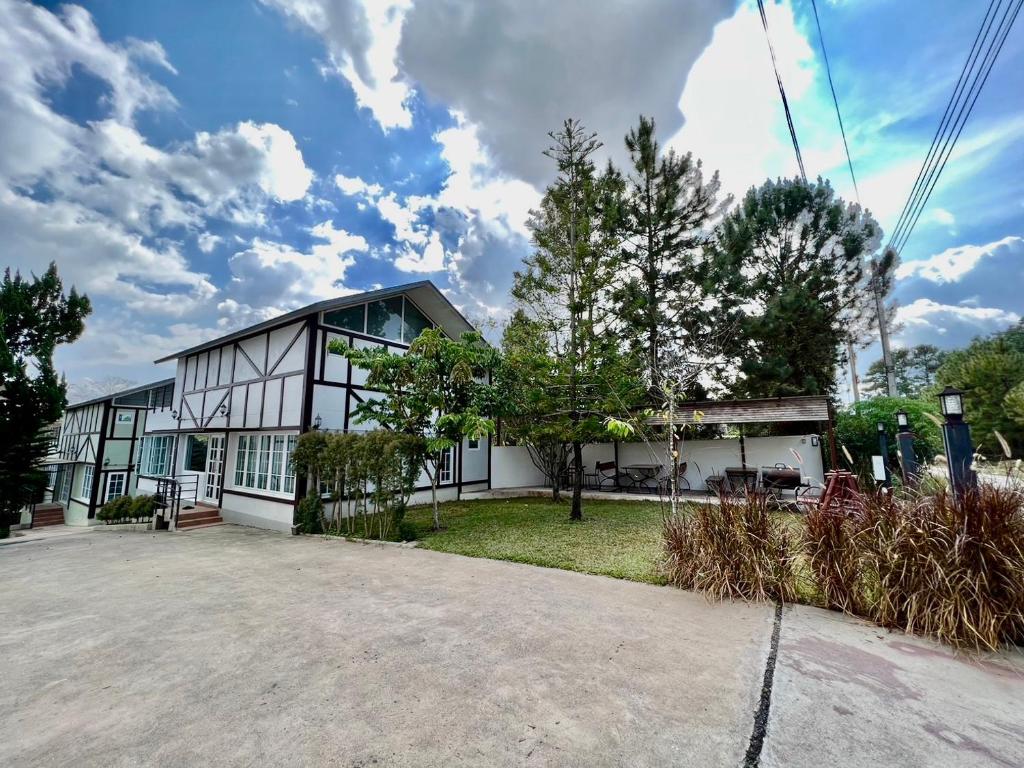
[[424, 293], [123, 393]]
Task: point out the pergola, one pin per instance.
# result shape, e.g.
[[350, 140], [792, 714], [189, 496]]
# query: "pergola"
[[768, 410]]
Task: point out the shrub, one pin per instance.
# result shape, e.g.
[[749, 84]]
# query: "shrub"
[[309, 513], [830, 544], [142, 507], [115, 509], [407, 531], [735, 549], [948, 569]]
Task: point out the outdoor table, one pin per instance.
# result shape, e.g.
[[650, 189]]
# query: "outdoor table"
[[641, 474]]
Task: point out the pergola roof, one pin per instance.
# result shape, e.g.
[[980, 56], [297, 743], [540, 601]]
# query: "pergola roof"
[[758, 411]]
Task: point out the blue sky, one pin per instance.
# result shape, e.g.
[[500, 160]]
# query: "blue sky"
[[196, 167]]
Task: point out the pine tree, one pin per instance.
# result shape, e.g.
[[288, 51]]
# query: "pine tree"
[[784, 268], [665, 214], [36, 317], [564, 288]]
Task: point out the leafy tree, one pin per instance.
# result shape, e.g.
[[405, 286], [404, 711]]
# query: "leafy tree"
[[531, 386], [857, 429], [436, 392], [564, 289], [784, 268], [36, 317], [915, 370], [989, 371], [663, 224]]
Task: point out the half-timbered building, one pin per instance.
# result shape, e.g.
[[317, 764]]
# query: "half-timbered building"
[[242, 400], [95, 450]]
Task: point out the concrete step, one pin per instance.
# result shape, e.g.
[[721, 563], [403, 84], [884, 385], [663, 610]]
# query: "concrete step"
[[200, 526], [197, 522], [199, 511], [47, 517]]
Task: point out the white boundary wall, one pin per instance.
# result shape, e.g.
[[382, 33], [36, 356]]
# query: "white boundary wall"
[[511, 466]]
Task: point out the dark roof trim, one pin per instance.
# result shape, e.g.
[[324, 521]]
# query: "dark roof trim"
[[321, 306], [762, 410], [123, 393]]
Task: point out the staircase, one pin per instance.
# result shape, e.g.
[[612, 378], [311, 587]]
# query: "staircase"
[[202, 516], [47, 514]]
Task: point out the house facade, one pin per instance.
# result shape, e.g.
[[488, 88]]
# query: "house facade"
[[241, 401], [94, 450]]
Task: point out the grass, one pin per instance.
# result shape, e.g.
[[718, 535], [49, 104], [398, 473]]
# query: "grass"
[[618, 539]]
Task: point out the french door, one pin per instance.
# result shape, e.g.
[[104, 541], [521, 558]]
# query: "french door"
[[214, 468]]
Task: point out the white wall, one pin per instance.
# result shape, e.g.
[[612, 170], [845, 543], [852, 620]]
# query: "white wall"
[[511, 466]]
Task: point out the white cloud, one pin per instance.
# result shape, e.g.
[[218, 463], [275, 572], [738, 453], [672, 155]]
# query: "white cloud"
[[944, 217], [430, 260], [207, 242], [283, 174], [938, 318], [362, 39], [277, 275], [954, 263], [353, 185]]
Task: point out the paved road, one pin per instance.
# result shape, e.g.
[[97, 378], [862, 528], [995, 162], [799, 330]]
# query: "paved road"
[[230, 646]]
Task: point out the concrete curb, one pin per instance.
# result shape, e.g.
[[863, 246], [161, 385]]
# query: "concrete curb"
[[125, 527], [366, 542]]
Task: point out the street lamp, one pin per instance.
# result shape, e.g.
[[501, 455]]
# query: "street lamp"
[[905, 445], [959, 448], [883, 447], [951, 400]]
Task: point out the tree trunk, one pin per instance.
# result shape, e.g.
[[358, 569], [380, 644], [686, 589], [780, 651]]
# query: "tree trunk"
[[576, 513], [433, 498]]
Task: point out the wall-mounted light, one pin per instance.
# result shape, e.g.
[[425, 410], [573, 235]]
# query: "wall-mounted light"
[[106, 462], [174, 414], [223, 411], [317, 422]]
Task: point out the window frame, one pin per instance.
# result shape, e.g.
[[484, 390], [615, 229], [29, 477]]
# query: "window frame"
[[265, 457], [366, 321], [85, 490], [124, 486], [446, 467], [146, 453]]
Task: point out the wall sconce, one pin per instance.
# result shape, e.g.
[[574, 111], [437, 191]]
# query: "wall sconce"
[[106, 462], [317, 422], [224, 411], [174, 414]]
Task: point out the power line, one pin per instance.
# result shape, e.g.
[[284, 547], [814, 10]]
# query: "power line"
[[839, 115], [782, 91], [990, 59], [958, 110], [968, 65]]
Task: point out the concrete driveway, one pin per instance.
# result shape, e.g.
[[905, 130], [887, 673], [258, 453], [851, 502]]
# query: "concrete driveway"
[[230, 646]]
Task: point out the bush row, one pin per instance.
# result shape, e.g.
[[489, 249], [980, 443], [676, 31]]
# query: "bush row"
[[923, 563], [126, 509]]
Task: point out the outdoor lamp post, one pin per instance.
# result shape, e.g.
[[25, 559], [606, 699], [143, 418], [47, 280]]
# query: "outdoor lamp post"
[[905, 445], [957, 436], [883, 447]]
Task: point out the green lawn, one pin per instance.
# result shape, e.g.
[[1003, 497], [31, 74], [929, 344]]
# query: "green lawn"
[[620, 539]]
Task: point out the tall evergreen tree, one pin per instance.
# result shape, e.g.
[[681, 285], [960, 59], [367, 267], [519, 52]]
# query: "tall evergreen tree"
[[915, 370], [665, 214], [784, 268], [564, 288], [36, 316]]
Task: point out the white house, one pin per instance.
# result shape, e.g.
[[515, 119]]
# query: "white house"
[[95, 451], [241, 401]]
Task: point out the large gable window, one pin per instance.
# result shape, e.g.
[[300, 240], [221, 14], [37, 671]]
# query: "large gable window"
[[349, 318], [413, 323], [384, 318]]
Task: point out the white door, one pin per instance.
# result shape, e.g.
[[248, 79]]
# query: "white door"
[[214, 468]]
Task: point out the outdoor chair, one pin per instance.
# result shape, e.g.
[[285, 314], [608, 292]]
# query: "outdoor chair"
[[741, 480], [682, 484], [607, 472]]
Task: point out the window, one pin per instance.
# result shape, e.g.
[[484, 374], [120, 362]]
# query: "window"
[[349, 318], [414, 323], [384, 318], [444, 472], [125, 418], [340, 340], [195, 454], [155, 458], [473, 444], [263, 463], [51, 478], [115, 486], [87, 475]]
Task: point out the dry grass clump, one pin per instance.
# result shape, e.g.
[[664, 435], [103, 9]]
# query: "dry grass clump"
[[953, 570], [735, 549], [925, 562]]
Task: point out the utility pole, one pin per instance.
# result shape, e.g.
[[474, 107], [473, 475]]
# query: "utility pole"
[[883, 329]]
